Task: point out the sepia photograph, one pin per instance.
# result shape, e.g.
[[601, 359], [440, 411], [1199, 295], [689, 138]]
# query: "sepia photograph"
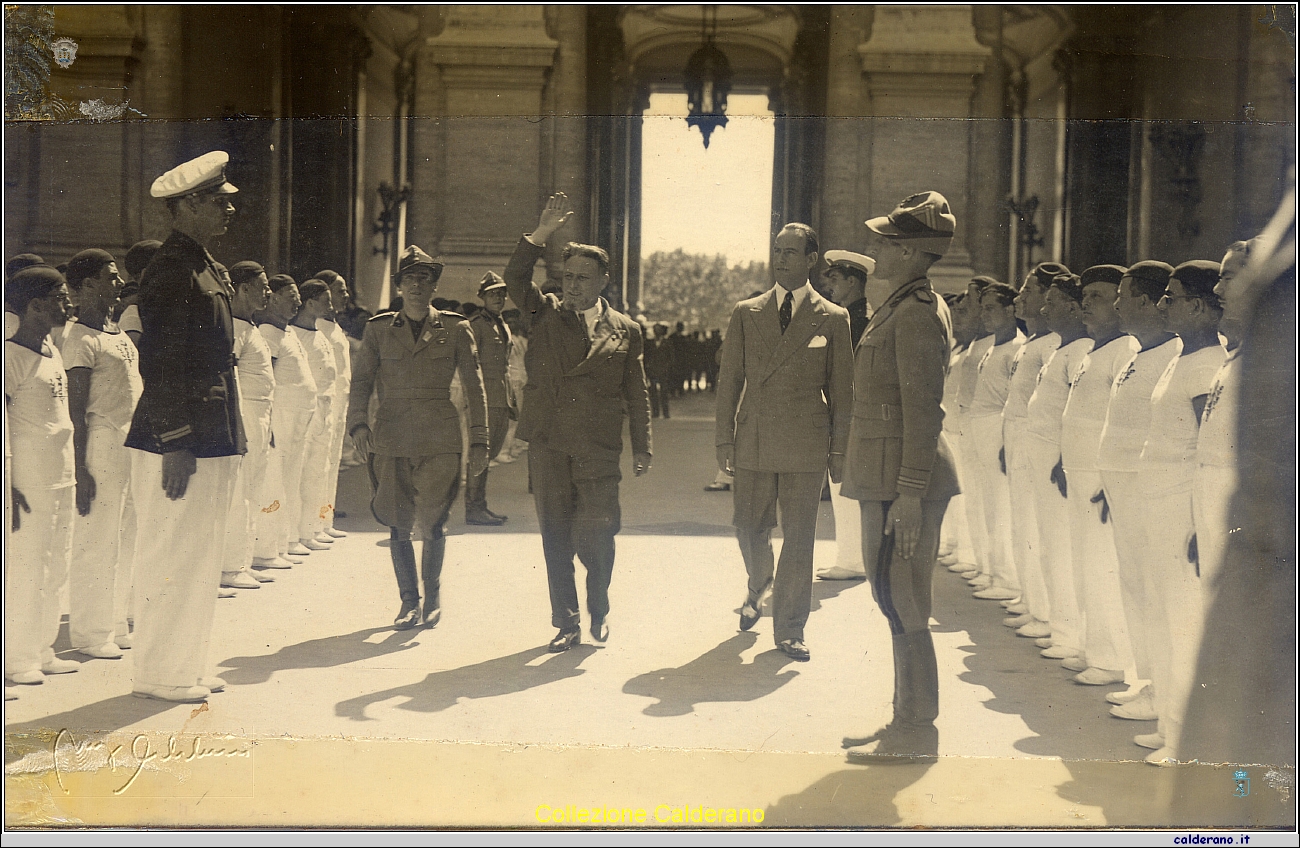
[[838, 418]]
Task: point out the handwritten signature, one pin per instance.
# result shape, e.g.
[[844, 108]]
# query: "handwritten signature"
[[68, 750]]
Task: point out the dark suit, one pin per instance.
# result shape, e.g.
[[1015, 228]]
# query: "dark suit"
[[797, 390], [572, 417]]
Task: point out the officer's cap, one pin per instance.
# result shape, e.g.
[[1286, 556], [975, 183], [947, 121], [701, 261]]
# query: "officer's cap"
[[491, 282], [1102, 274], [1070, 285], [1045, 272], [206, 174], [923, 220], [1199, 277], [87, 264], [849, 259], [414, 257], [245, 272]]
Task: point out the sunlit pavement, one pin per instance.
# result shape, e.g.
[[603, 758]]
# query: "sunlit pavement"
[[333, 718]]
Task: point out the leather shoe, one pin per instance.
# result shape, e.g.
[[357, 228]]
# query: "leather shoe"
[[484, 518], [223, 592], [178, 694], [407, 618], [564, 640], [794, 649], [212, 684], [997, 593], [1058, 652], [600, 630], [752, 610], [431, 616], [260, 577], [1075, 664], [274, 562], [125, 641], [718, 487], [324, 538], [298, 549], [1034, 630], [1154, 741], [1121, 698], [313, 545], [335, 532], [1093, 676], [60, 666], [1018, 621]]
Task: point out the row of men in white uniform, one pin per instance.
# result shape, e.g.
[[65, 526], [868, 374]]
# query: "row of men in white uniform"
[[1097, 457], [71, 405]]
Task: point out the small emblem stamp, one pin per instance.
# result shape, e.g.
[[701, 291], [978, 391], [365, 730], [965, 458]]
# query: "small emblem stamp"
[[65, 52], [1241, 782]]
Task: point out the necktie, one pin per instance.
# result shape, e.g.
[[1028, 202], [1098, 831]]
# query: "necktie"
[[787, 306]]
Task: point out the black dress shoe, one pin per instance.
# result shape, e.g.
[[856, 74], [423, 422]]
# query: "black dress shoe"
[[794, 649], [600, 630], [749, 615], [484, 518], [856, 741], [407, 618], [431, 616], [502, 518], [564, 640]]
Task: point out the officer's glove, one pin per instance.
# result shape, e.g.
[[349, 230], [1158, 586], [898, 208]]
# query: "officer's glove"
[[1100, 498], [1058, 477]]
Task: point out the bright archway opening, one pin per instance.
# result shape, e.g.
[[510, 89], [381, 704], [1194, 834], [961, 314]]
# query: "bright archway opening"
[[705, 213]]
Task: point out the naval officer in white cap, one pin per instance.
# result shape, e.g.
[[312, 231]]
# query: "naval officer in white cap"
[[187, 434]]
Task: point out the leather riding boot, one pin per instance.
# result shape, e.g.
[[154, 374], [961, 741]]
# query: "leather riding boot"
[[924, 683], [402, 551], [476, 511], [431, 572]]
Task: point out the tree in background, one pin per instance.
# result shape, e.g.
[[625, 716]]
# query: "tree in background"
[[697, 290]]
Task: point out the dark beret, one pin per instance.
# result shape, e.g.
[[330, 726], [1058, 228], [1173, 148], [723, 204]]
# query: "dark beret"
[[245, 272], [1151, 270], [1045, 272], [1102, 274], [1199, 277], [279, 281], [139, 256]]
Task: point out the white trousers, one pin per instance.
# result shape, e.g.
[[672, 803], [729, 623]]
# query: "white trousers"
[[39, 555], [1024, 522], [338, 434], [848, 530], [1212, 492], [178, 567], [954, 536], [1096, 576], [283, 495], [1176, 604], [123, 591], [241, 521], [314, 504], [968, 475], [1054, 545], [96, 542], [991, 483]]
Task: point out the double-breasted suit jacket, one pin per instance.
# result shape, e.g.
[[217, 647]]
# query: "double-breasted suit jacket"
[[784, 399], [415, 416], [577, 394], [187, 362], [896, 441]]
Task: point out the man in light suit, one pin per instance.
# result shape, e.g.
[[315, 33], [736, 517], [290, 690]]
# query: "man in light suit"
[[899, 465], [789, 354], [585, 375]]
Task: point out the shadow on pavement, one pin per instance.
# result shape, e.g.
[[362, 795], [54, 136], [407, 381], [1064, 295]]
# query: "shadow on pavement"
[[1068, 720], [88, 721], [718, 675], [853, 797], [316, 653], [824, 590], [489, 679]]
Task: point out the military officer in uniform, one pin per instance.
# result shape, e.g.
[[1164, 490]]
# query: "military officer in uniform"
[[188, 436], [409, 357], [492, 340], [847, 274], [898, 463], [585, 375]]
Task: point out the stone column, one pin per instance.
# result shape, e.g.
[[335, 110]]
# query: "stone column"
[[921, 64], [846, 192], [492, 64]]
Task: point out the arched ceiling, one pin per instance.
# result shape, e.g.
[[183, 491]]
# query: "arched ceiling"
[[758, 40]]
